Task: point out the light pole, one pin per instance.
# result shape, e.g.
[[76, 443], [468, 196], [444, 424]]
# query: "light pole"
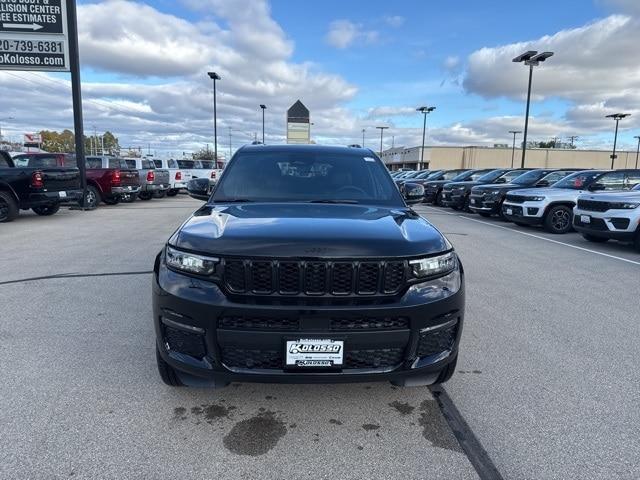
[[363, 137], [382, 129], [263, 107], [229, 148], [513, 148], [531, 58], [638, 150], [425, 111], [214, 76], [4, 120], [617, 117]]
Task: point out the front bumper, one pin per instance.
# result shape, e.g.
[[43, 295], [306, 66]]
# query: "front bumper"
[[410, 337], [531, 213], [49, 198], [621, 225], [130, 189], [484, 203], [453, 198]]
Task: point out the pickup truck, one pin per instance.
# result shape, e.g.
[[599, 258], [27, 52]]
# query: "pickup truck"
[[36, 182], [178, 177], [206, 169], [109, 179], [153, 181]]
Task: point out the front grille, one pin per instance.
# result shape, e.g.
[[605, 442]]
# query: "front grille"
[[515, 198], [594, 224], [375, 358], [432, 343], [385, 323], [235, 357], [258, 323], [593, 206], [245, 358], [184, 342], [314, 278]]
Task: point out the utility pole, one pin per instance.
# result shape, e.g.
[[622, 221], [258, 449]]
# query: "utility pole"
[[214, 76], [513, 147], [363, 137], [229, 148], [572, 138], [638, 150], [382, 129]]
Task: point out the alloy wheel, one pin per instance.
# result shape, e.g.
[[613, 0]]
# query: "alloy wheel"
[[4, 210], [561, 219]]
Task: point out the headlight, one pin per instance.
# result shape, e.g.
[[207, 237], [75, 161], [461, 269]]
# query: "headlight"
[[432, 266], [190, 262], [625, 206], [536, 199]]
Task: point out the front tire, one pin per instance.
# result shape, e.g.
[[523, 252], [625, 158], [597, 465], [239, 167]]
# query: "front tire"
[[558, 219], [92, 198], [8, 207], [167, 372], [145, 196], [46, 210], [592, 238], [437, 201]]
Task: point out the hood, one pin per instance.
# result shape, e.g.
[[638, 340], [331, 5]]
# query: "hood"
[[468, 183], [308, 230], [503, 187], [551, 193], [435, 183], [623, 196]]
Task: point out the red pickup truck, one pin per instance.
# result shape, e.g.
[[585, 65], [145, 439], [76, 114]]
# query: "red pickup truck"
[[108, 179]]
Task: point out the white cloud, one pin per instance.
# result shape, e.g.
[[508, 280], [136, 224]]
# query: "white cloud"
[[344, 33], [394, 21], [380, 112], [451, 63]]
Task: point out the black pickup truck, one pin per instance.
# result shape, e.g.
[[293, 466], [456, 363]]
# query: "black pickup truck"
[[40, 188]]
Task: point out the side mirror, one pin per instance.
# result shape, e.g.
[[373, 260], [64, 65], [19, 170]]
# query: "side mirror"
[[542, 183], [501, 180], [596, 187], [413, 193], [198, 188]]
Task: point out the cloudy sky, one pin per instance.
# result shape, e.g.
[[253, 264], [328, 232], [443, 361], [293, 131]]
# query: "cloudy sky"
[[356, 64]]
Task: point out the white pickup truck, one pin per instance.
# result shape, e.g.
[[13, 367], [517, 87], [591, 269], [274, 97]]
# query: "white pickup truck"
[[178, 177]]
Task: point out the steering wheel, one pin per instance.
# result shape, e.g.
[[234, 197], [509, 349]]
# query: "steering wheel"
[[352, 188]]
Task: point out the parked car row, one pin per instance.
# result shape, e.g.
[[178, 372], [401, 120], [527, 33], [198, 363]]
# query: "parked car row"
[[43, 182], [600, 204]]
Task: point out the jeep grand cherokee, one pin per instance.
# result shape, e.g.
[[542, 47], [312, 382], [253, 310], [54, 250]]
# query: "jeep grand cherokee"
[[305, 265]]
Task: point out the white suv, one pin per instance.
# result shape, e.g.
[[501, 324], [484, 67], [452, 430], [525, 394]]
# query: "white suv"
[[552, 206], [615, 216]]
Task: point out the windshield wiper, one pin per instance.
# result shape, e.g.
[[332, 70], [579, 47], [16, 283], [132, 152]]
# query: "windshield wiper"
[[232, 200], [326, 200]]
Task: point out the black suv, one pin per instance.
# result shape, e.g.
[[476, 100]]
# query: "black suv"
[[457, 194], [306, 266], [433, 188]]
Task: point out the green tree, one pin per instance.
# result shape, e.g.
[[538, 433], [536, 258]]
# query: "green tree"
[[204, 154]]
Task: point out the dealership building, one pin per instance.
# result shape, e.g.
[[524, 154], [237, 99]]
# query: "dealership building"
[[440, 157]]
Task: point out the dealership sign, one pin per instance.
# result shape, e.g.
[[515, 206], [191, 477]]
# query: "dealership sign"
[[32, 138], [33, 35]]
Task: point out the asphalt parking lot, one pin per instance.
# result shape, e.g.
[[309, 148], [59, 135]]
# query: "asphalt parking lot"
[[547, 378]]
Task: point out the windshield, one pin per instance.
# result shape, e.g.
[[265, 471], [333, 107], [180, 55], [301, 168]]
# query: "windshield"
[[450, 175], [206, 164], [423, 174], [299, 176], [461, 177], [530, 177], [578, 180], [491, 176], [186, 164]]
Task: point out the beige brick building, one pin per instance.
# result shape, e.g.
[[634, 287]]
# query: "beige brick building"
[[483, 157]]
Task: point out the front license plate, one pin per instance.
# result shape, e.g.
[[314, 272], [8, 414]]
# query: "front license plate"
[[314, 353], [585, 218], [509, 211], [473, 201], [62, 194]]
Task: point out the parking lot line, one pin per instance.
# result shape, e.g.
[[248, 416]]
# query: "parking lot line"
[[540, 237]]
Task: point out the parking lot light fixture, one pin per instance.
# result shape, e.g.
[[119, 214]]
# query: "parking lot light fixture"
[[637, 150], [531, 58], [425, 111], [263, 107], [214, 76], [617, 117], [513, 147], [382, 129]]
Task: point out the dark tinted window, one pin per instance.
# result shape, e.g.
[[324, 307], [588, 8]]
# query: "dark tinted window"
[[4, 161], [208, 164], [633, 178], [70, 160], [529, 178], [157, 163], [612, 181], [36, 161], [94, 162], [119, 163], [148, 164], [477, 175], [450, 175], [186, 164], [578, 180], [131, 163], [289, 176]]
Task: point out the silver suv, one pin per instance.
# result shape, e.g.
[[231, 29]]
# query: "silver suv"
[[607, 216], [552, 207]]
